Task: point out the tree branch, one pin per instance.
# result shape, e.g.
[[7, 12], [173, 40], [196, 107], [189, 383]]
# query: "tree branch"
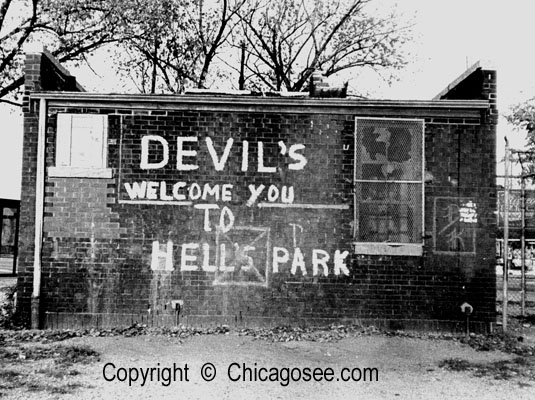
[[9, 58], [13, 103], [213, 48], [16, 84], [3, 11]]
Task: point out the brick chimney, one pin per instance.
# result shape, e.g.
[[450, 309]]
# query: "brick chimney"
[[319, 87]]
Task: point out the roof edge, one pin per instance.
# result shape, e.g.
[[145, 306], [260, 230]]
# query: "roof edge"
[[85, 97], [480, 64]]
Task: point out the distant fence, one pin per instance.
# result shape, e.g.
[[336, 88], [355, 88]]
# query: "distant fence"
[[520, 303]]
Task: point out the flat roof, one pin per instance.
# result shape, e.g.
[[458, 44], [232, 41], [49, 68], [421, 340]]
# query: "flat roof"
[[255, 103]]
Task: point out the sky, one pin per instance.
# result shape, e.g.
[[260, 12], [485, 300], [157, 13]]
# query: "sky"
[[449, 36]]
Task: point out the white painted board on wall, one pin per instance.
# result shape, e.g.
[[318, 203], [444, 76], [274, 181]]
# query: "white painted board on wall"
[[10, 152]]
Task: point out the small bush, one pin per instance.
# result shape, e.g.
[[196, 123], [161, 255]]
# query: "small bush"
[[7, 306], [77, 354]]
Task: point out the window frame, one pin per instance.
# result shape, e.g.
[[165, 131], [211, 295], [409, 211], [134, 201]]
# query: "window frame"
[[386, 248], [65, 130]]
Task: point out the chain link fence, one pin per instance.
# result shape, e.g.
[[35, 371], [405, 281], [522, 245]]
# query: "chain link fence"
[[520, 286], [520, 294]]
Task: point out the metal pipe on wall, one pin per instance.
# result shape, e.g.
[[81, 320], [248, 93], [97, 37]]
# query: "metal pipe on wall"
[[39, 210]]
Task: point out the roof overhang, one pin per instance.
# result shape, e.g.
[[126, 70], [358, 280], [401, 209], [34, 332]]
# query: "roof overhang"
[[260, 103]]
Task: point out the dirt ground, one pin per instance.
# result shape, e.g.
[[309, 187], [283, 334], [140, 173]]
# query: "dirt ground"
[[94, 365], [407, 368]]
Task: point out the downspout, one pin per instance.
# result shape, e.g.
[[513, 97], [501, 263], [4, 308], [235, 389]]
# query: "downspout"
[[39, 210]]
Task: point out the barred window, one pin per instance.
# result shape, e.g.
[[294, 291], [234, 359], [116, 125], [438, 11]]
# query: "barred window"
[[388, 204]]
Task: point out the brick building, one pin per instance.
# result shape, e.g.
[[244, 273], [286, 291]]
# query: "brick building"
[[255, 210]]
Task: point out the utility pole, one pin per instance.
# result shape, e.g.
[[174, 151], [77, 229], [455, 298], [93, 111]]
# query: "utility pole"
[[505, 237], [523, 244], [242, 67]]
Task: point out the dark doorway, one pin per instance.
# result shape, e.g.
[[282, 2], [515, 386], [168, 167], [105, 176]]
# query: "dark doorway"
[[9, 210]]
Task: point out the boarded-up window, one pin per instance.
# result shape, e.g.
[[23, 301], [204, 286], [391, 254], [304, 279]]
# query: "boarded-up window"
[[388, 186], [81, 146], [81, 140]]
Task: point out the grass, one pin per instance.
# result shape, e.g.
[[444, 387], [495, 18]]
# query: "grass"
[[77, 354], [61, 354], [43, 368], [51, 388], [518, 367], [9, 379], [57, 373]]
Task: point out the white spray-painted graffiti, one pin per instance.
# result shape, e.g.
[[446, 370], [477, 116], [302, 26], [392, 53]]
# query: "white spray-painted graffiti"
[[468, 212], [235, 255], [162, 260], [455, 221], [233, 263], [298, 159]]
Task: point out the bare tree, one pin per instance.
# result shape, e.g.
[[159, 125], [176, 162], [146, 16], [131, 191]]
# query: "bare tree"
[[70, 28], [168, 45], [175, 44], [287, 40]]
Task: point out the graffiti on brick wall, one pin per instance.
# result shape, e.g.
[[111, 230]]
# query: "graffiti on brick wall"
[[246, 256], [186, 158], [239, 256], [154, 156], [233, 253], [454, 225]]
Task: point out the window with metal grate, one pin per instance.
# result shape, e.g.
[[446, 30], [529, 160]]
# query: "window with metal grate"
[[388, 198]]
